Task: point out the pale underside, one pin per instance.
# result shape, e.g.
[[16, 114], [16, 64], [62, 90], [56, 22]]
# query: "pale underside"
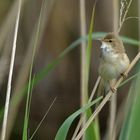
[[112, 64]]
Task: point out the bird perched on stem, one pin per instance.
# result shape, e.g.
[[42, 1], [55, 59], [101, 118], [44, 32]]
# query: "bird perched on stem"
[[113, 61]]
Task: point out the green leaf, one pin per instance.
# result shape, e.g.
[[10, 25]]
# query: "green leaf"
[[89, 47], [92, 133], [130, 41], [131, 126], [27, 110], [31, 80], [63, 130]]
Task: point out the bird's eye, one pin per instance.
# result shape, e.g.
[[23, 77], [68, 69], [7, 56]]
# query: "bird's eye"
[[110, 41]]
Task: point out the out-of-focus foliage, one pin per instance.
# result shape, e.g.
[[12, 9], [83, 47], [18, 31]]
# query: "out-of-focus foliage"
[[131, 126]]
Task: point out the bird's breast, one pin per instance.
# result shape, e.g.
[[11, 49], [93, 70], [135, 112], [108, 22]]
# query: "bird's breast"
[[112, 65]]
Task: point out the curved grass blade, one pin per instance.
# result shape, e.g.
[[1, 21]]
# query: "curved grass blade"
[[31, 80], [63, 130], [131, 127], [130, 41]]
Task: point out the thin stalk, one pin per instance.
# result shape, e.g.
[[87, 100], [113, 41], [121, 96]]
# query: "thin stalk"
[[124, 17], [83, 55], [4, 126], [42, 119], [112, 117], [113, 103], [94, 89], [90, 99], [115, 15], [83, 51], [119, 118], [26, 118], [77, 128]]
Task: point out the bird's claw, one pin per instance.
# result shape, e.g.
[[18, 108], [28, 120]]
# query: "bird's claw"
[[124, 75], [114, 90]]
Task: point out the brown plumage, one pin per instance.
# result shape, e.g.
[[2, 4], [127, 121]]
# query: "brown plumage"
[[114, 60]]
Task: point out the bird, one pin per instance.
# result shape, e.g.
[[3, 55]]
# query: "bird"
[[113, 61]]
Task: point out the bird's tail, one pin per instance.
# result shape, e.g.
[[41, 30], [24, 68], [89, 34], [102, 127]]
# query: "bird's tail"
[[103, 88]]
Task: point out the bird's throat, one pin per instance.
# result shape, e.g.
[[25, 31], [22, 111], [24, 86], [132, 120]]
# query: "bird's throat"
[[108, 53], [106, 48]]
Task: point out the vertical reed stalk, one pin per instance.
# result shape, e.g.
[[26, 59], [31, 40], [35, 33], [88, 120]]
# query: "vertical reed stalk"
[[83, 54], [83, 51], [113, 103], [4, 126]]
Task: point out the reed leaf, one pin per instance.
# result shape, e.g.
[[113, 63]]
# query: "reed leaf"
[[63, 130]]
